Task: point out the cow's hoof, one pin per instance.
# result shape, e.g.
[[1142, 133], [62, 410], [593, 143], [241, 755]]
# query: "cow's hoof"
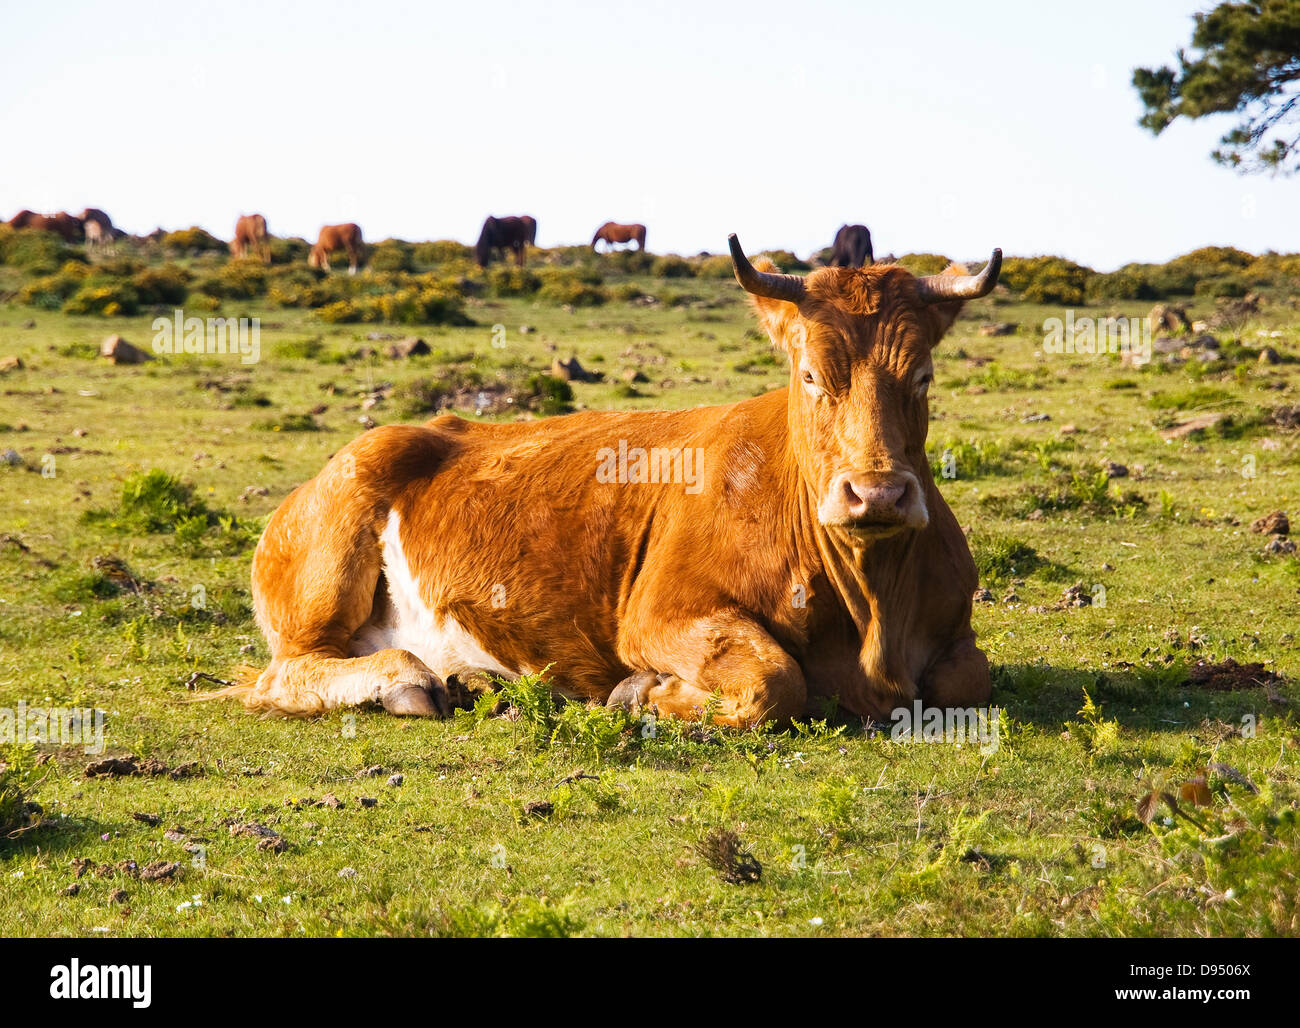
[[408, 699], [634, 691]]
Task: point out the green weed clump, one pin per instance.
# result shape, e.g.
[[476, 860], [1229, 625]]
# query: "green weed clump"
[[17, 781]]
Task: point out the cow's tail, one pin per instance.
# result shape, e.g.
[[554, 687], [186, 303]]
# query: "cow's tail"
[[246, 679]]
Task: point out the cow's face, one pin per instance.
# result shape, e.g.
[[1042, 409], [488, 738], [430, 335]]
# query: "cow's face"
[[859, 342]]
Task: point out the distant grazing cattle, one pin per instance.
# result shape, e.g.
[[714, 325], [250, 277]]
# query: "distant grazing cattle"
[[740, 558], [250, 234], [852, 247], [66, 225], [337, 237], [501, 234], [98, 227], [612, 232]]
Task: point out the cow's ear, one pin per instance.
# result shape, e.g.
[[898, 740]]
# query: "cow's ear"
[[778, 317], [942, 316], [945, 313]]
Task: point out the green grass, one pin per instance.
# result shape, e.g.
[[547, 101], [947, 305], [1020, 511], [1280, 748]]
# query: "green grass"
[[496, 827]]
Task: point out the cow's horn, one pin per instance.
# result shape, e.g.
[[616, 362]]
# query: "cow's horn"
[[937, 288], [764, 283]]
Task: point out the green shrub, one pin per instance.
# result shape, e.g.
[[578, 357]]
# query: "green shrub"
[[49, 292], [34, 251], [717, 266], [629, 262], [340, 312], [550, 395], [242, 278], [441, 251], [508, 280], [168, 284], [110, 299], [998, 558], [924, 263], [427, 305], [289, 423], [1049, 280], [1224, 285], [392, 255], [289, 251], [192, 240], [574, 286], [150, 502], [17, 780], [627, 292], [1212, 261], [1131, 282], [787, 261], [672, 266]]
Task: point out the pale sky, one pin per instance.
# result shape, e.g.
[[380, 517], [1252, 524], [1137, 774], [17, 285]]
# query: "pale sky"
[[944, 126]]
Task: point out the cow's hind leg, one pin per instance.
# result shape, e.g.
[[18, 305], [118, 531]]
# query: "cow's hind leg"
[[316, 580], [727, 666]]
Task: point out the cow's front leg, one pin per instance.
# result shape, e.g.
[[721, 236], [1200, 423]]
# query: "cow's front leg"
[[726, 663], [958, 678]]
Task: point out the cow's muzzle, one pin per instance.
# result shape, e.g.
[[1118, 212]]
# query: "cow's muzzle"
[[872, 504]]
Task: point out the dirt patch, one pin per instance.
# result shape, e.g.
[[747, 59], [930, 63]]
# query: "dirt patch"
[[157, 871], [254, 830], [1197, 424], [121, 767], [1286, 417], [1229, 676], [1275, 523], [161, 870]]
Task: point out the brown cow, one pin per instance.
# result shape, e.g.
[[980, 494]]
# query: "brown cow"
[[250, 233], [66, 225], [337, 237], [612, 232], [744, 557]]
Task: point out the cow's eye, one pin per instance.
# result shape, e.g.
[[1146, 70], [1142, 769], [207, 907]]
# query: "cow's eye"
[[923, 383], [810, 383]]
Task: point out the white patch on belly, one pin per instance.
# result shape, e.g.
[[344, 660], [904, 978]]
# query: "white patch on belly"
[[445, 646]]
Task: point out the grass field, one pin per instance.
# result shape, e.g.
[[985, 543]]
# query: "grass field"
[[115, 605]]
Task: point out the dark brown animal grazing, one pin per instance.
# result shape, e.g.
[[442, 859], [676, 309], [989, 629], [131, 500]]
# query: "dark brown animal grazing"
[[337, 237], [63, 224], [501, 234], [612, 232], [742, 558], [852, 247], [250, 234]]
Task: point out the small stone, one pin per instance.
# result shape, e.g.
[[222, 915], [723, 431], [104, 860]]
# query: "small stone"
[[395, 780], [1278, 545]]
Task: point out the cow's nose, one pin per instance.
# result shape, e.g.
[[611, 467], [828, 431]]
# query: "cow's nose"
[[865, 500], [873, 499]]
